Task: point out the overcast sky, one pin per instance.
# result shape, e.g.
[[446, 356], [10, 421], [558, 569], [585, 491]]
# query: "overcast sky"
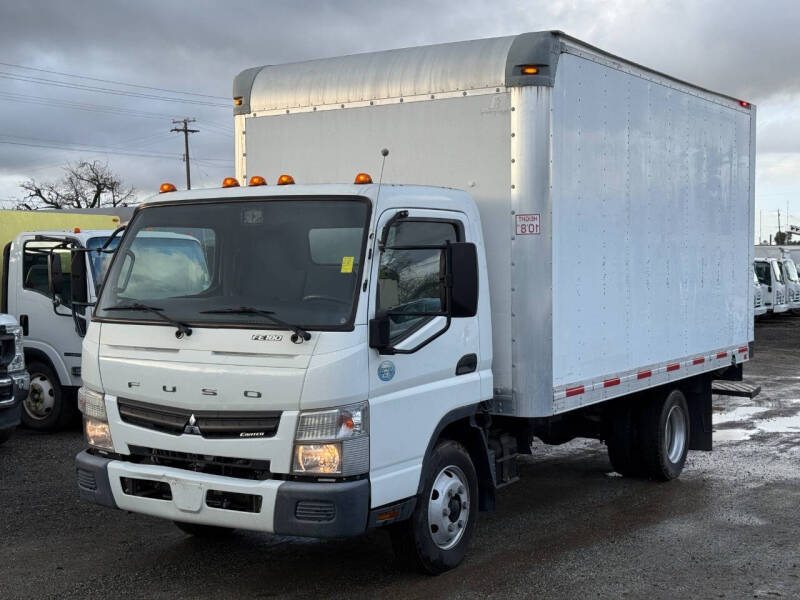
[[744, 48]]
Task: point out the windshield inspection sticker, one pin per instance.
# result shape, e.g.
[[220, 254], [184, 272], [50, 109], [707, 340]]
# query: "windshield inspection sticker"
[[386, 370], [347, 264], [528, 224]]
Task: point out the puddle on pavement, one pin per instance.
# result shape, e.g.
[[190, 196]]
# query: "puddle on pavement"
[[748, 417]]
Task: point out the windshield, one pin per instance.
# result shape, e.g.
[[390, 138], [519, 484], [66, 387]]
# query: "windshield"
[[791, 271], [298, 259], [762, 271], [99, 262]]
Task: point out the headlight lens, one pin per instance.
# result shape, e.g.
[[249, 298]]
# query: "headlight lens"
[[98, 434], [18, 364], [95, 421], [318, 459], [333, 442]]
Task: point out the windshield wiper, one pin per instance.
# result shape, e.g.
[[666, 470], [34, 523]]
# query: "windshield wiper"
[[183, 328], [247, 310]]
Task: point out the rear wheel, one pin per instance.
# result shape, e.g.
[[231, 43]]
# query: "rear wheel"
[[204, 531], [665, 436], [436, 537], [46, 408]]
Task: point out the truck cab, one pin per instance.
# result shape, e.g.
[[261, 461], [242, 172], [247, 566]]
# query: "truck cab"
[[51, 330], [770, 274], [792, 282], [13, 377], [758, 296]]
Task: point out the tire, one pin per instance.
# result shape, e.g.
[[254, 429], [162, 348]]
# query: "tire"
[[432, 540], [47, 406], [622, 443], [204, 531], [5, 434], [665, 436]]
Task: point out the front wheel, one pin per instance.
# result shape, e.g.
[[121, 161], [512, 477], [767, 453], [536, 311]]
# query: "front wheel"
[[46, 407], [436, 537]]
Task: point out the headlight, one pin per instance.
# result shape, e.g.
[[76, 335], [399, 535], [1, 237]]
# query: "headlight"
[[95, 421], [18, 364], [333, 442]]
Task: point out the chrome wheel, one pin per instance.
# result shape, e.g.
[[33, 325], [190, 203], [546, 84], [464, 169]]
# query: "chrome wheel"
[[675, 434], [448, 507], [41, 397]]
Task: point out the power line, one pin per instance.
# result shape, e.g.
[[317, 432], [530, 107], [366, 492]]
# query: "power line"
[[136, 85], [76, 105], [102, 90]]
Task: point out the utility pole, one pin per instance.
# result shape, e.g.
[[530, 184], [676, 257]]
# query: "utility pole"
[[185, 131], [779, 224]]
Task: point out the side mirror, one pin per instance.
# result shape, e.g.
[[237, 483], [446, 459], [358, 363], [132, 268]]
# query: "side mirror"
[[463, 275], [79, 292], [379, 332], [55, 276]]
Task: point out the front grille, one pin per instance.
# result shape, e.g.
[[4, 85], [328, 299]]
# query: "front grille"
[[315, 510], [8, 349], [234, 501], [240, 468], [208, 423], [146, 488], [6, 391]]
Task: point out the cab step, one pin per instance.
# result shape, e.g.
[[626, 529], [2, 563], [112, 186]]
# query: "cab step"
[[735, 388]]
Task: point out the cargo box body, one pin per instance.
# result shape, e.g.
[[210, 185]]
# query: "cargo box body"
[[616, 202]]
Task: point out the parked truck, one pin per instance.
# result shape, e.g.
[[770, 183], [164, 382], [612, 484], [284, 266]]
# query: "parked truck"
[[785, 257], [773, 285], [344, 356], [52, 332], [13, 377]]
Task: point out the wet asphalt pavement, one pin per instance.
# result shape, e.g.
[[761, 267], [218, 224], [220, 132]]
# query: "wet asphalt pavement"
[[728, 528]]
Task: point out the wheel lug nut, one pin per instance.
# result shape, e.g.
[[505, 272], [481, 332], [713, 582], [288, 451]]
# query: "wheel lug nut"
[[449, 493], [450, 527], [460, 524], [445, 512], [461, 489]]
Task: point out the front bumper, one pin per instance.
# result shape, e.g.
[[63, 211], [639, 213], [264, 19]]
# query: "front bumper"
[[13, 389], [780, 308], [308, 509]]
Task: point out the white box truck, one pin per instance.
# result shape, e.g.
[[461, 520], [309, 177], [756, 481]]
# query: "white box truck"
[[785, 258], [52, 332], [13, 377], [343, 356]]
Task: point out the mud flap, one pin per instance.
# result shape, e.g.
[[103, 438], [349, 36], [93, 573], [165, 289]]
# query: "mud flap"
[[698, 396]]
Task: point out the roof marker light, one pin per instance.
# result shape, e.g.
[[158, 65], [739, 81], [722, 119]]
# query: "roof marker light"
[[167, 187], [230, 182], [529, 69], [76, 230], [237, 101], [257, 180], [363, 178], [744, 103], [285, 180]]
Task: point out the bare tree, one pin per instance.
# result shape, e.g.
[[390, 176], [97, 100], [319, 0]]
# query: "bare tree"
[[84, 185]]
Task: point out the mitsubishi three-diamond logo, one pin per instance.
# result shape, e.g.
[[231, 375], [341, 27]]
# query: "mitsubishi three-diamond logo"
[[191, 427]]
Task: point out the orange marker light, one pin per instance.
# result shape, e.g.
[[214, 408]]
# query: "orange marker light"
[[285, 180], [230, 182], [76, 230], [362, 178], [167, 187], [529, 70], [237, 101], [257, 180]]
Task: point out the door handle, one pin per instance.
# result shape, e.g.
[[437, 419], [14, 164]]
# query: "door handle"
[[467, 364]]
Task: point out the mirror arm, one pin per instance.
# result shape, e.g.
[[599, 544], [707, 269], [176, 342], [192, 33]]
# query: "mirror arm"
[[400, 214]]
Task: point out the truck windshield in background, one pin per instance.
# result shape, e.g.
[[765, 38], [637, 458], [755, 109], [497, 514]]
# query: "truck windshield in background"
[[791, 271], [762, 272], [298, 259], [99, 262]]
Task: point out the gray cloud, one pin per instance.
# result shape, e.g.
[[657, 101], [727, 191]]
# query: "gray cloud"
[[745, 49]]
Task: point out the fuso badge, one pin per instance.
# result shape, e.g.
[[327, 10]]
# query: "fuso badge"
[[386, 370]]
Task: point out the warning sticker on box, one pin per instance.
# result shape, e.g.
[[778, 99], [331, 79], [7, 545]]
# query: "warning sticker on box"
[[528, 224]]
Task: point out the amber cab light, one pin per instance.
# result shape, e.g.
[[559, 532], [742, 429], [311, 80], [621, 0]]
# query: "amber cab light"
[[285, 180], [237, 101], [362, 178], [167, 187], [76, 230], [530, 70], [230, 182], [257, 180]]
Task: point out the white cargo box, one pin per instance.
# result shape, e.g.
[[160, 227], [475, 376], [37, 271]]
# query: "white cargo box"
[[617, 202]]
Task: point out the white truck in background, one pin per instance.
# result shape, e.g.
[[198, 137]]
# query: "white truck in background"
[[758, 296], [770, 274], [343, 356], [786, 257], [52, 332], [13, 376]]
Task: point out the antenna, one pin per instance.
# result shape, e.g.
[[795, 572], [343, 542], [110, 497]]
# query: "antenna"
[[384, 154]]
